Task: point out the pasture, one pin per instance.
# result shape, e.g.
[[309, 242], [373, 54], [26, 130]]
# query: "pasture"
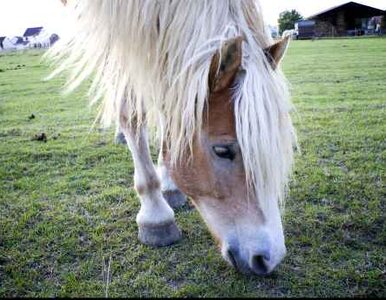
[[68, 207]]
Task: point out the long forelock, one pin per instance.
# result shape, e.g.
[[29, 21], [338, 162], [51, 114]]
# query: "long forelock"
[[264, 129], [157, 55]]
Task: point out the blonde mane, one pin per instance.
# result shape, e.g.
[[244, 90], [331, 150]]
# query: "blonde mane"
[[157, 54]]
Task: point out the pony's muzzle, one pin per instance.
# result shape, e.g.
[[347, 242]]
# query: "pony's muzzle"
[[260, 261]]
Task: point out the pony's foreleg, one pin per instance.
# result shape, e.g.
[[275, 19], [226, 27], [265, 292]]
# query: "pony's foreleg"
[[155, 219], [170, 191]]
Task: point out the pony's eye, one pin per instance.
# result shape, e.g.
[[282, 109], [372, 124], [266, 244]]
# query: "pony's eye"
[[225, 152]]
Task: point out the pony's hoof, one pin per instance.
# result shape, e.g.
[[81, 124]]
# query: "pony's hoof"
[[120, 139], [159, 235], [175, 198]]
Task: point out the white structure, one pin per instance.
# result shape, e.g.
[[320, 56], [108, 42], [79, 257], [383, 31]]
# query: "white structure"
[[14, 43], [37, 37], [34, 37], [291, 32], [274, 31]]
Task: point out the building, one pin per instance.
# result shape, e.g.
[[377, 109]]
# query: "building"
[[13, 43], [32, 32], [305, 29], [2, 38], [348, 19], [34, 37], [6, 44], [37, 37]]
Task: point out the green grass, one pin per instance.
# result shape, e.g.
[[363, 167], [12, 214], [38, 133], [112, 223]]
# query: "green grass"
[[68, 206]]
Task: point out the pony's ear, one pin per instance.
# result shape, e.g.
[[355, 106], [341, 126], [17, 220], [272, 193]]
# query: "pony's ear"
[[225, 64], [275, 53]]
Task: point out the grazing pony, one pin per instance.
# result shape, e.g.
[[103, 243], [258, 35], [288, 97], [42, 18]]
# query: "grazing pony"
[[205, 74]]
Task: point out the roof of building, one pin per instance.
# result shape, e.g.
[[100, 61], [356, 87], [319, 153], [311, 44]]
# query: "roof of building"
[[32, 31], [365, 10]]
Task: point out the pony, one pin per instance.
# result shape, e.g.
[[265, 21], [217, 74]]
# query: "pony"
[[204, 77]]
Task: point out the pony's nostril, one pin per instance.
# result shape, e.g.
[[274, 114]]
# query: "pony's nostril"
[[260, 264]]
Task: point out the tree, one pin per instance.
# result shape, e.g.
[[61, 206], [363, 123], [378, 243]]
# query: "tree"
[[288, 18]]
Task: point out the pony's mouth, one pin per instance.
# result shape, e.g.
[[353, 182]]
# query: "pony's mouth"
[[232, 259]]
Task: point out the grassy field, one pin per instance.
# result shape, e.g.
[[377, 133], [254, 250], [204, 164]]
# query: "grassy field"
[[68, 206]]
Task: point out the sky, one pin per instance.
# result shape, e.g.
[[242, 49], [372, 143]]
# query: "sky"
[[17, 15]]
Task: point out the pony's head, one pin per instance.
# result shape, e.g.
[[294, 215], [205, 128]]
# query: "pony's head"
[[220, 176]]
